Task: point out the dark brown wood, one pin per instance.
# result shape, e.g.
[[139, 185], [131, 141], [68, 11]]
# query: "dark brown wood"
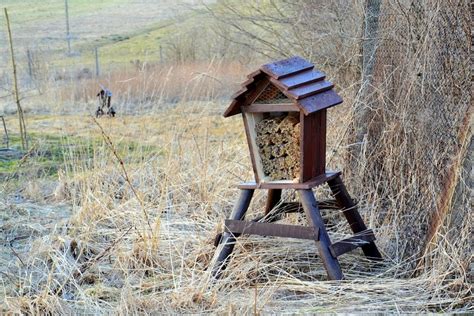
[[268, 229], [328, 252], [253, 95], [313, 145], [299, 79], [319, 102], [294, 77], [358, 240], [315, 219], [316, 181], [286, 67], [233, 109], [254, 73], [246, 96], [310, 89], [265, 108], [273, 198], [227, 240], [239, 93], [249, 81], [352, 215]]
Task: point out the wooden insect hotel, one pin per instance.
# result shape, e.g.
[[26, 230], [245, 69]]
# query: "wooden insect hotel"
[[283, 105]]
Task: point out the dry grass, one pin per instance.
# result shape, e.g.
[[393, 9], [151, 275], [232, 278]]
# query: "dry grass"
[[98, 254], [136, 89], [126, 223]]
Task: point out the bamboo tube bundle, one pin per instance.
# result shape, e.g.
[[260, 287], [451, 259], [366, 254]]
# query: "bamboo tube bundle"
[[287, 124], [265, 152], [278, 150], [278, 143], [296, 131], [263, 142]]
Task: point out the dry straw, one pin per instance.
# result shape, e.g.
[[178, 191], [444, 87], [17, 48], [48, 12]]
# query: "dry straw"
[[176, 186]]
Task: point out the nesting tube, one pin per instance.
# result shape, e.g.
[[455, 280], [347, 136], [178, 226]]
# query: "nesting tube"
[[278, 142]]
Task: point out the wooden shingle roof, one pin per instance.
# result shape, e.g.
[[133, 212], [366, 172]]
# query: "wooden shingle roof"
[[297, 79]]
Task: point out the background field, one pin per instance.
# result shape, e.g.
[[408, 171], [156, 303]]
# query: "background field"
[[119, 215]]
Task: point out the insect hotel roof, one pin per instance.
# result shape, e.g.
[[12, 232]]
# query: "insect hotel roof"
[[296, 78]]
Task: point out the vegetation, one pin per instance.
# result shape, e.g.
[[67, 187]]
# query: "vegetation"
[[119, 215]]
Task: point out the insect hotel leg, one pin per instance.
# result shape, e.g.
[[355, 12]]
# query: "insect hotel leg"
[[352, 215], [273, 197], [227, 241], [314, 217]]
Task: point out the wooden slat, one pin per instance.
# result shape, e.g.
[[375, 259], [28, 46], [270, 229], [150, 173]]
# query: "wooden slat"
[[248, 82], [261, 108], [313, 145], [250, 120], [310, 89], [253, 78], [320, 101], [358, 240], [238, 102], [247, 91], [254, 73], [291, 185], [239, 93], [268, 229], [233, 109], [297, 80], [256, 91], [286, 67]]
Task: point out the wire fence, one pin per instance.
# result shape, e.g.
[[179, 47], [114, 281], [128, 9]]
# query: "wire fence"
[[414, 115]]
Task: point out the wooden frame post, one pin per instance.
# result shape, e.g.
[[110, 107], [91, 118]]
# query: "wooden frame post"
[[315, 219], [273, 198], [227, 241]]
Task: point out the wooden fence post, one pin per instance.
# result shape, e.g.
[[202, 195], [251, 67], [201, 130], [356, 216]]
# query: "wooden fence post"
[[24, 140]]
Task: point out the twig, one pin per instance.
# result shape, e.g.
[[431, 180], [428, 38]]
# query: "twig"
[[20, 163], [16, 254], [86, 265], [111, 146]]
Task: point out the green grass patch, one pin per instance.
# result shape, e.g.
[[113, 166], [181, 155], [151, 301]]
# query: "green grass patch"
[[34, 11], [50, 152]]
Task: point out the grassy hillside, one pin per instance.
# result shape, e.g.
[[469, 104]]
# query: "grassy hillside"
[[123, 30]]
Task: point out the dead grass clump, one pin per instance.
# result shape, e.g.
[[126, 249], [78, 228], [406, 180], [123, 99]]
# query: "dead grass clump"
[[43, 304]]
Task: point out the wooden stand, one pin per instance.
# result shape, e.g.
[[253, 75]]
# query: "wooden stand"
[[328, 251]]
